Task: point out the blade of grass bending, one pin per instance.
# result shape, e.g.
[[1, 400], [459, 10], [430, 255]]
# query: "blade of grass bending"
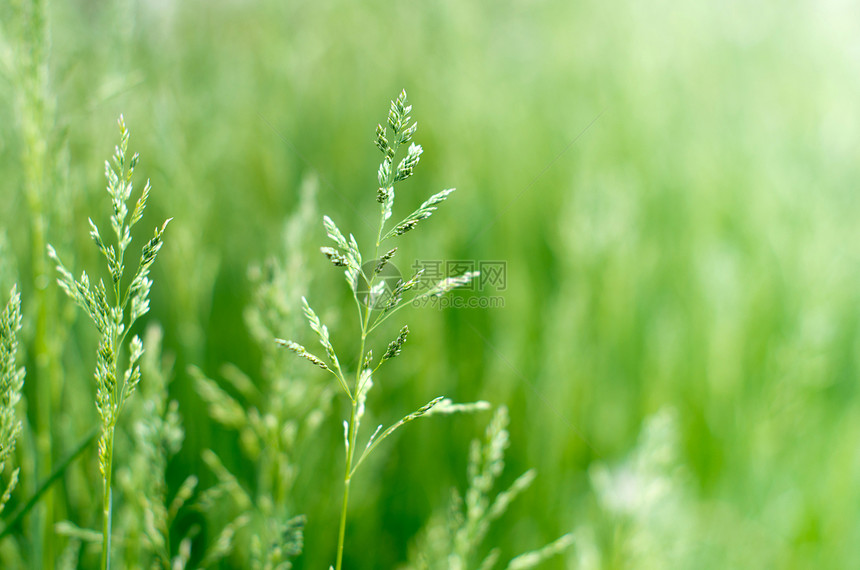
[[21, 511]]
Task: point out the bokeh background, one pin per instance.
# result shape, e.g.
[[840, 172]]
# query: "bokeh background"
[[673, 189]]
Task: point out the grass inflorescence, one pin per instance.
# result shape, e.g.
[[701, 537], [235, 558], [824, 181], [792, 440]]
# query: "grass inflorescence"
[[115, 313], [373, 302]]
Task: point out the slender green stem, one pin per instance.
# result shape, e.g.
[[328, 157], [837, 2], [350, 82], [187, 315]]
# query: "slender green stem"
[[342, 531], [109, 430], [347, 478], [108, 435], [354, 420], [352, 435], [106, 521]]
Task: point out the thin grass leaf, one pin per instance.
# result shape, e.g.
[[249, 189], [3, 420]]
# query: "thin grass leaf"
[[10, 487]]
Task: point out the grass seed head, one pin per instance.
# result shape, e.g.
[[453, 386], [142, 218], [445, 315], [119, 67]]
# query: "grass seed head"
[[397, 344]]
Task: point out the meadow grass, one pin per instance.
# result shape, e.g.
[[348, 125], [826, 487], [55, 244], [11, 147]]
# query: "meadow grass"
[[691, 251], [115, 317], [377, 299]]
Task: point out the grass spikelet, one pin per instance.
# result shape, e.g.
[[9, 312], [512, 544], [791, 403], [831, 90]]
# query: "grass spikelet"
[[450, 283], [396, 345]]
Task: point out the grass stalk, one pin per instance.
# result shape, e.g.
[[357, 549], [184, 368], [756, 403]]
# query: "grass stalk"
[[377, 300], [108, 500], [115, 320], [347, 479]]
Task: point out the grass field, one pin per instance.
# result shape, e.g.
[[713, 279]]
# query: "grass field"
[[665, 189]]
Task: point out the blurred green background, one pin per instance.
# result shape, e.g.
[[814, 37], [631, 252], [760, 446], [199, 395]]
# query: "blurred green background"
[[671, 185]]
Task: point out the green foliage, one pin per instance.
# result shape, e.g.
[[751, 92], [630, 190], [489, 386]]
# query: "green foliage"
[[693, 248]]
